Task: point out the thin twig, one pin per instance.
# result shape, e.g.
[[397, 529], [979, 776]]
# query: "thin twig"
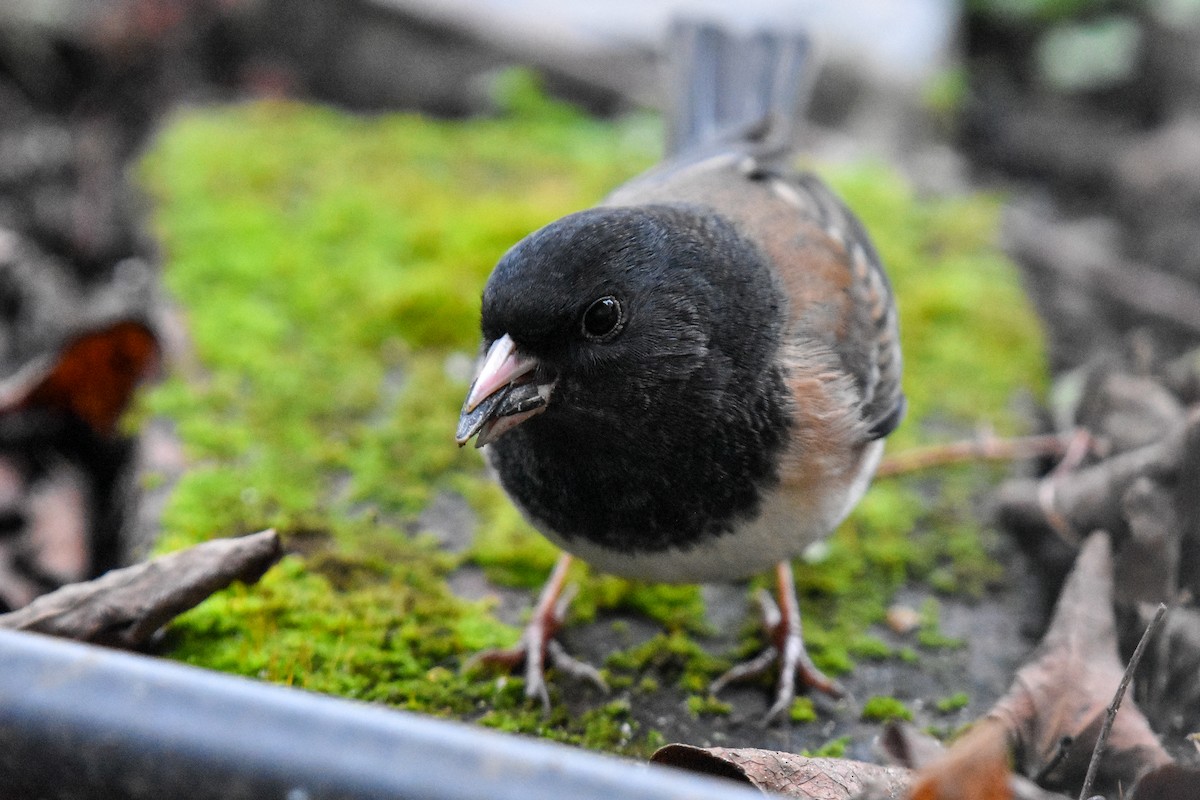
[[982, 448], [1078, 446], [1111, 715]]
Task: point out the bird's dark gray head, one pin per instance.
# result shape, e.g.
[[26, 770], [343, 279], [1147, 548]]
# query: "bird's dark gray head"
[[629, 381], [614, 311], [596, 296]]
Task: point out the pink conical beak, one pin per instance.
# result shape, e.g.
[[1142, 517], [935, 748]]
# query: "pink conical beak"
[[501, 366], [499, 400]]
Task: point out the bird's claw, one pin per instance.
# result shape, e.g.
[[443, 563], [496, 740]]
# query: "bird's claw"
[[561, 660], [786, 648], [746, 670], [537, 648], [501, 658]]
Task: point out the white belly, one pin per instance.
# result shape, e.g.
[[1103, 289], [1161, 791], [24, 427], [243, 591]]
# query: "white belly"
[[787, 525]]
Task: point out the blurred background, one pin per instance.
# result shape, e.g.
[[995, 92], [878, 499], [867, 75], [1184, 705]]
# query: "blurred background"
[[1088, 105]]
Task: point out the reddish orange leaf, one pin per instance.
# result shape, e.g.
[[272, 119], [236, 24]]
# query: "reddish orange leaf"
[[975, 768], [93, 378]]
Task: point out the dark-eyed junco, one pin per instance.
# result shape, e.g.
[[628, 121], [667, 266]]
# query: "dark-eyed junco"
[[691, 381]]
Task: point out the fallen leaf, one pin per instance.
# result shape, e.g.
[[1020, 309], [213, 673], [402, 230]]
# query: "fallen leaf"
[[789, 774], [906, 746], [1187, 501], [124, 607], [1168, 782], [1125, 410], [1039, 513], [1172, 692], [92, 377], [1146, 568], [975, 768], [1055, 708]]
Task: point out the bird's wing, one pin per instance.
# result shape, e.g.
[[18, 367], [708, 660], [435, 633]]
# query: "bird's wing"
[[839, 297], [866, 337]]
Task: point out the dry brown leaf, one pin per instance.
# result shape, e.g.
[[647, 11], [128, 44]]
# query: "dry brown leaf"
[[789, 774], [903, 744], [1146, 567], [1187, 501], [1125, 410], [93, 377], [1168, 782], [126, 606], [1062, 693], [1089, 499], [1172, 693], [907, 746], [975, 768]]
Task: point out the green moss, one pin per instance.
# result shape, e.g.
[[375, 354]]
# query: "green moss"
[[881, 709], [834, 748], [954, 702], [674, 656], [870, 647], [945, 92], [504, 545], [1038, 11], [802, 710], [328, 268], [929, 634], [606, 727], [707, 705]]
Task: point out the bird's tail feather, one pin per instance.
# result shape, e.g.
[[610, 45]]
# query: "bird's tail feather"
[[726, 89]]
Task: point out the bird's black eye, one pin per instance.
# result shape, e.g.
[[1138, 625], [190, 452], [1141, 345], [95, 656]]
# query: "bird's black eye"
[[603, 318]]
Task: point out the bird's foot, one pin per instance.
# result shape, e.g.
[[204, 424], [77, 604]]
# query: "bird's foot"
[[785, 648], [537, 645]]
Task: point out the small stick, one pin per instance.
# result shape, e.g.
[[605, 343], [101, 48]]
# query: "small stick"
[[982, 448], [1078, 446], [1111, 715]]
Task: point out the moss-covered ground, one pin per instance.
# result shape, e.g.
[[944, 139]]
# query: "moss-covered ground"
[[328, 269]]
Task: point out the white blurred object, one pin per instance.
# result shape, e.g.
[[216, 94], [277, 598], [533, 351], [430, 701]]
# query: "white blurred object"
[[896, 42]]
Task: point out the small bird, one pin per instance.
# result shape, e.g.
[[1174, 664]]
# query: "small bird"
[[691, 381]]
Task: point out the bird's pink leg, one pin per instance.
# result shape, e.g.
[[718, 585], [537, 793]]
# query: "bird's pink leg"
[[786, 647], [537, 645]]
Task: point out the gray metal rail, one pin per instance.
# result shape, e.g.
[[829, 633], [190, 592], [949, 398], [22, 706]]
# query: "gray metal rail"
[[83, 722]]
